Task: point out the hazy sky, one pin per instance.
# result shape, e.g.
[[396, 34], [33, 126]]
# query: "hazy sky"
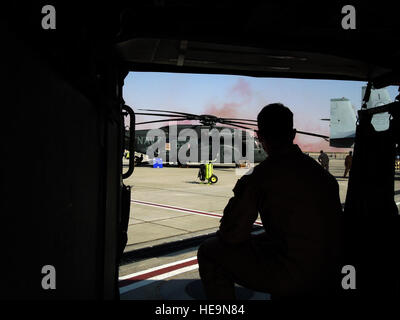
[[242, 97]]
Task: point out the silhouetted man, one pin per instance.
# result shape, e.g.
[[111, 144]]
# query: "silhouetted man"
[[324, 160], [347, 163], [298, 201]]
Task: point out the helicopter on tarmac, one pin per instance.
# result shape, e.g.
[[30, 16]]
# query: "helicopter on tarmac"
[[229, 144]]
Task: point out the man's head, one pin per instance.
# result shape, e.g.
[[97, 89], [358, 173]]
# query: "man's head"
[[275, 126], [322, 151], [350, 153]]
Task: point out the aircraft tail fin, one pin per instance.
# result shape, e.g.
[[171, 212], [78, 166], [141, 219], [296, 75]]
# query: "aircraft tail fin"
[[343, 117], [343, 123]]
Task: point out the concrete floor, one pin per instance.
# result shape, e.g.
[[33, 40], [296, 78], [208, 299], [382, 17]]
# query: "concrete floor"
[[178, 188], [171, 204]]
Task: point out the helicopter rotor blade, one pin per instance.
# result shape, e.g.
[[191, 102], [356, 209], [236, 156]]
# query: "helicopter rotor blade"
[[238, 122], [164, 120], [159, 114], [182, 113], [236, 125], [240, 119], [313, 134]]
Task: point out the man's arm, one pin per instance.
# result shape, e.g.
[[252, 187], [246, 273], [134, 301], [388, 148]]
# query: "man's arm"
[[240, 212]]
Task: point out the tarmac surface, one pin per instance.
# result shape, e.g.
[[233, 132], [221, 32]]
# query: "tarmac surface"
[[172, 211]]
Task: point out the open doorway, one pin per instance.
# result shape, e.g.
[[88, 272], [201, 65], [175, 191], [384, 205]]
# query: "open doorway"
[[169, 204]]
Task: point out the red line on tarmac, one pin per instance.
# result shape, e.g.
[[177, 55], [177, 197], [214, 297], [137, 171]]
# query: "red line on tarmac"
[[184, 209], [178, 208], [155, 273]]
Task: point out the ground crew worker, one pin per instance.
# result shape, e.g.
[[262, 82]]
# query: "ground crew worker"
[[323, 159], [139, 159], [347, 163], [299, 205]]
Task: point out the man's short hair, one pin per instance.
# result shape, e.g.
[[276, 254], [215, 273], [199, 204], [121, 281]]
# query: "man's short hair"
[[275, 122]]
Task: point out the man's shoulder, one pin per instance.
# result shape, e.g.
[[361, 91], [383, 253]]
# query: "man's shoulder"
[[309, 163], [262, 168], [253, 176]]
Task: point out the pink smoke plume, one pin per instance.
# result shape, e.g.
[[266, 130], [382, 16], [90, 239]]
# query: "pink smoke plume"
[[240, 96], [313, 144], [227, 110], [242, 88]]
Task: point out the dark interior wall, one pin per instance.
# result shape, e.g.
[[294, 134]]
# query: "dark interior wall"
[[59, 177]]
